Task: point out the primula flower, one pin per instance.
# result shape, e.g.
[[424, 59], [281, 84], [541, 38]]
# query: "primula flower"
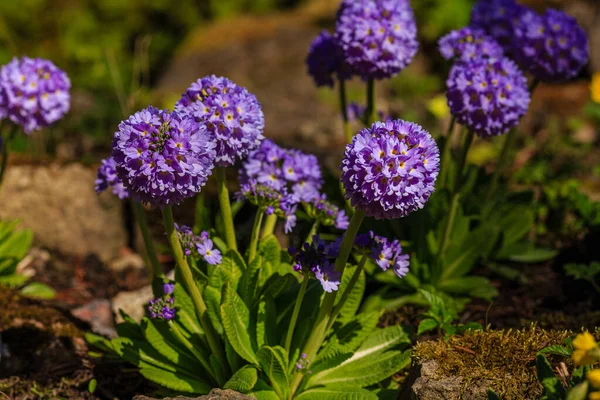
[[468, 44], [497, 18], [326, 213], [296, 172], [487, 96], [163, 307], [162, 157], [107, 178], [34, 93], [379, 37], [389, 170], [231, 114], [586, 349], [553, 47], [198, 245], [273, 201], [383, 252], [326, 59], [317, 260], [593, 377]]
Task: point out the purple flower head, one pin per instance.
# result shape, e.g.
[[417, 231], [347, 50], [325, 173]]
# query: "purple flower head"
[[326, 59], [162, 157], [163, 307], [552, 47], [356, 112], [326, 213], [389, 170], [488, 97], [107, 178], [379, 37], [386, 254], [497, 18], [272, 201], [468, 44], [317, 260], [198, 245], [295, 172], [231, 114], [34, 93]]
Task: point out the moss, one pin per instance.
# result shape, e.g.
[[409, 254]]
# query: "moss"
[[505, 358]]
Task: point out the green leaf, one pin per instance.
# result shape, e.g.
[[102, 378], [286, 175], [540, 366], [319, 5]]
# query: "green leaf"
[[461, 259], [265, 395], [270, 249], [203, 215], [38, 290], [175, 381], [552, 385], [13, 280], [266, 322], [492, 395], [352, 304], [243, 380], [273, 362], [326, 393], [427, 325], [515, 223], [229, 271], [475, 286], [350, 336], [578, 392], [92, 386], [556, 350], [186, 317], [16, 244], [212, 298], [249, 281], [236, 323], [331, 361]]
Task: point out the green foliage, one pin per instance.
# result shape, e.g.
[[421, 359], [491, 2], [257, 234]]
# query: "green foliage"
[[586, 272], [441, 314]]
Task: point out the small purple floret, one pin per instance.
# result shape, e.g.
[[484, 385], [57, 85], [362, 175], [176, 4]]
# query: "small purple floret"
[[198, 245], [318, 260], [325, 60], [107, 178], [469, 44], [497, 18], [163, 307]]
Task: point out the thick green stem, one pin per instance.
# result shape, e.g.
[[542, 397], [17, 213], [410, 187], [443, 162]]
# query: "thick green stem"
[[199, 356], [192, 288], [269, 226], [447, 156], [260, 213], [319, 329], [154, 266], [225, 204], [344, 110], [370, 112], [297, 306], [313, 232], [338, 308]]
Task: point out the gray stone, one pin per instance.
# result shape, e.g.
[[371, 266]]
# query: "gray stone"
[[430, 386], [132, 303], [215, 394], [59, 204]]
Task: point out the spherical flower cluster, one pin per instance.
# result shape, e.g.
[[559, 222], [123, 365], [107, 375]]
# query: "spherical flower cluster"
[[326, 213], [292, 170], [389, 170], [277, 202], [163, 307], [383, 252], [469, 44], [378, 36], [162, 158], [34, 93], [317, 259], [553, 47], [488, 97], [326, 59], [231, 114], [497, 18], [107, 178], [198, 245]]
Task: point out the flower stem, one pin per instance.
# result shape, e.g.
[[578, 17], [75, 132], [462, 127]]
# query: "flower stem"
[[338, 308], [344, 110], [319, 329], [370, 111], [192, 287], [462, 161], [154, 267], [225, 207], [447, 156], [313, 232], [269, 226], [199, 356], [260, 213], [4, 143], [297, 306]]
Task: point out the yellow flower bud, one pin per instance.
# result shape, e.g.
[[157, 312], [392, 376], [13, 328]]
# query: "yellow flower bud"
[[594, 396], [595, 87], [584, 341], [593, 378]]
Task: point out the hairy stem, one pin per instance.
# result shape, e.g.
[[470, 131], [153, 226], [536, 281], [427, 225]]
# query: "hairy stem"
[[269, 226], [225, 204]]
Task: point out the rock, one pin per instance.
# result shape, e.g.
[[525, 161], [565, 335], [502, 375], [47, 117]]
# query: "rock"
[[127, 261], [215, 394], [61, 207], [132, 303], [98, 314], [429, 386]]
